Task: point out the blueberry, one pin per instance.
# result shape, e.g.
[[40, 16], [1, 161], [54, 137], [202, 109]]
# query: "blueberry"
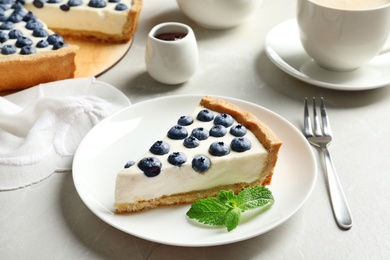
[[97, 3], [34, 24], [159, 148], [15, 18], [54, 38], [40, 33], [240, 144], [59, 45], [8, 49], [191, 142], [219, 149], [224, 119], [129, 164], [14, 34], [18, 6], [177, 158], [23, 41], [54, 1], [65, 8], [185, 120], [28, 49], [205, 115], [151, 166], [113, 1], [201, 163], [121, 7], [200, 133], [3, 37], [38, 3], [6, 2], [42, 44], [218, 131], [177, 132], [29, 16], [75, 2], [7, 25], [238, 130]]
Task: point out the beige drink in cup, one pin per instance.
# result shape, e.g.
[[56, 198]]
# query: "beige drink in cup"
[[343, 35]]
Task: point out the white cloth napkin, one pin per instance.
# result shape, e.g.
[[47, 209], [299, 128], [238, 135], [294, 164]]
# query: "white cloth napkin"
[[41, 127]]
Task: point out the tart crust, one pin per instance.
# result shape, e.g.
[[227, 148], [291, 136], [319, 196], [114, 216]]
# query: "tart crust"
[[263, 133], [24, 71]]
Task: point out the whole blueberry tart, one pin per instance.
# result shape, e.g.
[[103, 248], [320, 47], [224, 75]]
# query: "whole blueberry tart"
[[32, 47]]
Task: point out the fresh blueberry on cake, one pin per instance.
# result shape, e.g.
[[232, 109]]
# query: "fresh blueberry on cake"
[[217, 147], [32, 31]]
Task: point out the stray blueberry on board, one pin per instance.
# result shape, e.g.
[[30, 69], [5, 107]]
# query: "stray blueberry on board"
[[38, 3], [65, 8]]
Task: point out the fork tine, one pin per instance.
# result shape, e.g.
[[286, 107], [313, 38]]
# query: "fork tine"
[[317, 127], [325, 119], [306, 121]]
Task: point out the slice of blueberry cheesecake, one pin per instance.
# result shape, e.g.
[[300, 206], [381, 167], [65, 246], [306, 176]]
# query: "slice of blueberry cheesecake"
[[217, 147]]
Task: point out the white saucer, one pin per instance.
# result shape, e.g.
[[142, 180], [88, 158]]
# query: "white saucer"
[[284, 48]]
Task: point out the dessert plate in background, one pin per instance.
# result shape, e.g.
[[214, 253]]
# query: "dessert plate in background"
[[284, 48], [127, 134]]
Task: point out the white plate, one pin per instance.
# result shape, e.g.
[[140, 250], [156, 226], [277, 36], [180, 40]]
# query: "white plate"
[[284, 48], [128, 133]]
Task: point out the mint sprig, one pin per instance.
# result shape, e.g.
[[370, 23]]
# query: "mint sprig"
[[226, 208]]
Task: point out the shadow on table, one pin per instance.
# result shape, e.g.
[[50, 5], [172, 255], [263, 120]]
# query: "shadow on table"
[[95, 238], [297, 89]]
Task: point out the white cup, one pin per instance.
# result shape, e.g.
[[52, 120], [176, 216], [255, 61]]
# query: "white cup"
[[342, 38], [218, 14], [171, 61]]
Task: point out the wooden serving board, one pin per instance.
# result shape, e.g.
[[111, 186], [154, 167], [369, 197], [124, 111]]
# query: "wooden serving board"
[[95, 58]]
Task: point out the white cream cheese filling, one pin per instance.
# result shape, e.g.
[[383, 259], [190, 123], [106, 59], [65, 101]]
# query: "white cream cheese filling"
[[82, 18], [132, 185]]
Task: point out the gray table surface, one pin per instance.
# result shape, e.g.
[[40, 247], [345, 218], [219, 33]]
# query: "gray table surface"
[[49, 221]]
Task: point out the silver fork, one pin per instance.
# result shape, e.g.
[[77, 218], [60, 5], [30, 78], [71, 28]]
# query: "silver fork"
[[321, 139]]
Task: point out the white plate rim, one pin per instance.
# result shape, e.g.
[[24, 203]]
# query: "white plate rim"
[[292, 36], [104, 212]]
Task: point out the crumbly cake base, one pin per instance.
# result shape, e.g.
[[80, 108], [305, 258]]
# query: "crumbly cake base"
[[181, 198], [20, 72], [263, 133]]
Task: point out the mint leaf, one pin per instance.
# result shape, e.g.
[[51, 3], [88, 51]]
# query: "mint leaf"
[[233, 218], [226, 208], [254, 197], [209, 211]]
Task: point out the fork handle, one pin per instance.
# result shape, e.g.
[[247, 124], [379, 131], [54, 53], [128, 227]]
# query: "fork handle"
[[339, 203]]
